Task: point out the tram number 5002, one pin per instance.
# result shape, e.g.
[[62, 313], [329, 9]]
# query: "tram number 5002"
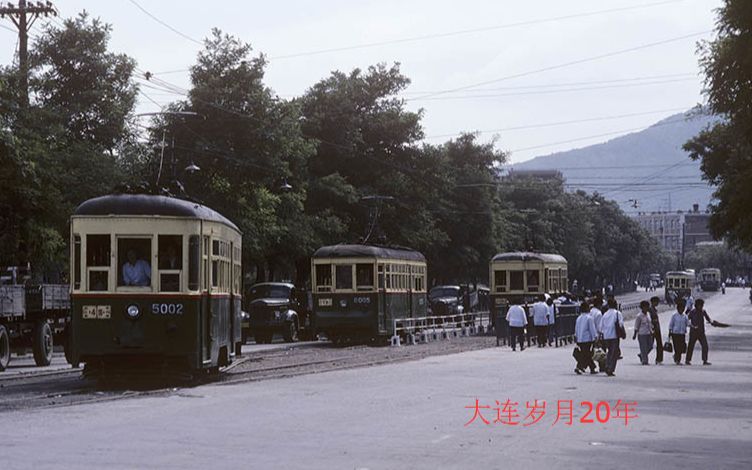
[[167, 309]]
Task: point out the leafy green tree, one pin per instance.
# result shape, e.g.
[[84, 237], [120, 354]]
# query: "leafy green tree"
[[247, 143], [725, 150]]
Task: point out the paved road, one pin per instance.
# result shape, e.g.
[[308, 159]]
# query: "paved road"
[[413, 415]]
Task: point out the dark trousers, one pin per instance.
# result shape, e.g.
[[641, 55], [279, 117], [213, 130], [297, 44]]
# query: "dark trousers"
[[658, 343], [551, 333], [517, 333], [680, 345], [541, 333], [612, 354], [695, 336], [586, 356]]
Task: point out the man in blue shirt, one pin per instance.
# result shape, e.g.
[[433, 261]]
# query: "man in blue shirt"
[[585, 335], [136, 272], [540, 320]]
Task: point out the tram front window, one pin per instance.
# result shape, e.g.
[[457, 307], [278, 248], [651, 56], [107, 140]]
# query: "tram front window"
[[516, 280], [133, 259], [98, 261], [324, 277], [170, 262], [344, 276]]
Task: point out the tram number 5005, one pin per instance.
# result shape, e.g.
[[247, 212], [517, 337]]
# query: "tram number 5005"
[[167, 309]]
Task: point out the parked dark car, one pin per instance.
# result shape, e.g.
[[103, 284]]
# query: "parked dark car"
[[446, 300], [276, 307]]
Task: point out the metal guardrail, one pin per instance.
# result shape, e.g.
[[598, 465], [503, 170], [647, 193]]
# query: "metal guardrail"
[[424, 329]]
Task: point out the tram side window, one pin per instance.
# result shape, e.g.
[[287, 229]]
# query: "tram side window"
[[324, 277], [134, 255], [170, 262], [343, 274], [98, 262], [381, 276], [500, 281], [364, 276], [516, 280]]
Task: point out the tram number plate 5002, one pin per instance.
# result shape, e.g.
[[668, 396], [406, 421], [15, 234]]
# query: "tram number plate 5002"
[[167, 309]]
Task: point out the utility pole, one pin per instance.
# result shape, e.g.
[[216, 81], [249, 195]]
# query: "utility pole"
[[23, 16]]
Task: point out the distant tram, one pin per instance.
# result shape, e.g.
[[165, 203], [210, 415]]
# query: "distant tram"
[[710, 279], [680, 283], [155, 283], [527, 275], [519, 276], [359, 290]]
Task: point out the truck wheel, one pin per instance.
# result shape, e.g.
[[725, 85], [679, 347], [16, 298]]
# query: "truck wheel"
[[291, 332], [42, 344], [4, 348]]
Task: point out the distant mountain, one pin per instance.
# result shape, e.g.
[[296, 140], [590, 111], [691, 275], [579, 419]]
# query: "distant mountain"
[[648, 166]]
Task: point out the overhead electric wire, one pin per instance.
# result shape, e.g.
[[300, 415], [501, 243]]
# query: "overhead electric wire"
[[605, 134], [422, 37], [570, 84], [473, 30], [564, 64], [559, 123], [174, 30], [548, 92]]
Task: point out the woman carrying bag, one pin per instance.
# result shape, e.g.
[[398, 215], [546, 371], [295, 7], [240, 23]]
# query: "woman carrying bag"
[[643, 329]]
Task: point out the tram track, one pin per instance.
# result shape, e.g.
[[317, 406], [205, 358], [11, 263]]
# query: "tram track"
[[71, 388]]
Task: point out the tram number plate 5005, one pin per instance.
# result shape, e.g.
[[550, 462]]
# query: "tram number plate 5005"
[[167, 309], [362, 300]]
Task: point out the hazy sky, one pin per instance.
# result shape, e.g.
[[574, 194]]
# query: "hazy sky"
[[508, 57]]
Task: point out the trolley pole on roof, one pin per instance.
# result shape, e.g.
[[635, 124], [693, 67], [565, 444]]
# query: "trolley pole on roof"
[[23, 17], [375, 210]]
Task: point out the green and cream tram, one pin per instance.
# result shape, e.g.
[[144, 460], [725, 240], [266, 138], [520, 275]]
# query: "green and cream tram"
[[155, 282], [710, 279], [359, 290], [519, 276], [680, 284]]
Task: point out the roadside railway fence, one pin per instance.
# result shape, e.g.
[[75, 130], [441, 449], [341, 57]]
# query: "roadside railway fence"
[[435, 327]]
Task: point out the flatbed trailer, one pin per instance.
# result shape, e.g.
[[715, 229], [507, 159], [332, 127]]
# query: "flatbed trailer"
[[32, 317]]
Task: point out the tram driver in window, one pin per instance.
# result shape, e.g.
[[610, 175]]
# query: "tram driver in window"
[[136, 272], [170, 260]]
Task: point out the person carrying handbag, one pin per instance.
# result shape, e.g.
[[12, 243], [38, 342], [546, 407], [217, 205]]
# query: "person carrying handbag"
[[677, 330], [643, 329], [612, 325]]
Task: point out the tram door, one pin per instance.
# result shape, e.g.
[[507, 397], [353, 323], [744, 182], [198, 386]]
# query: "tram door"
[[382, 307], [206, 311], [231, 319], [410, 286]]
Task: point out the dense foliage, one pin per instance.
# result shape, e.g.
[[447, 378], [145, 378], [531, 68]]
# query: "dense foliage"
[[725, 150], [344, 162]]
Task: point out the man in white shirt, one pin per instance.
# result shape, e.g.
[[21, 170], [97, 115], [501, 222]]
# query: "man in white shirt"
[[136, 272], [596, 315], [540, 320], [611, 336], [517, 319]]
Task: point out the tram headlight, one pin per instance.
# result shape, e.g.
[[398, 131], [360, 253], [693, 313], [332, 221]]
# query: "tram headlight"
[[133, 312]]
